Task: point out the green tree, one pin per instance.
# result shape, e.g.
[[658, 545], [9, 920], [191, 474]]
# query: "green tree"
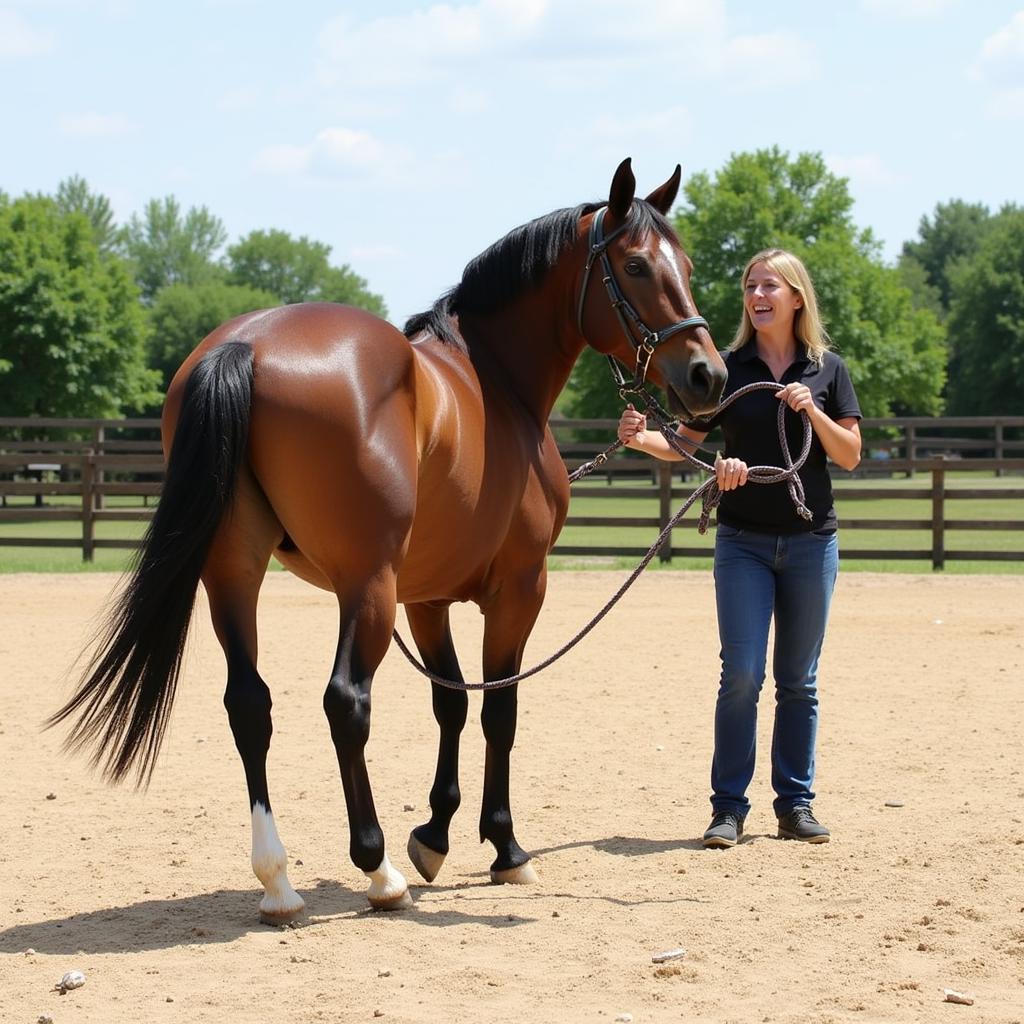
[[167, 247], [297, 270], [72, 331], [75, 196], [766, 199], [182, 315], [952, 234], [986, 322]]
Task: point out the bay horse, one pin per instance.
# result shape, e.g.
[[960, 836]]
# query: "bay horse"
[[388, 466]]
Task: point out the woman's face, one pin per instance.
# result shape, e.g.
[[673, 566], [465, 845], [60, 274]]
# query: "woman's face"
[[769, 300]]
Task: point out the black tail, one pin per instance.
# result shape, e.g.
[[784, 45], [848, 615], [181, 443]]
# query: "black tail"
[[124, 701]]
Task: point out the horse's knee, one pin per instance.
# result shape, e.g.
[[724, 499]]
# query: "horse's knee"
[[347, 707], [450, 708]]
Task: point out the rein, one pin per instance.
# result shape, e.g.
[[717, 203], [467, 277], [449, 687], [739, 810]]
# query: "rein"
[[708, 491]]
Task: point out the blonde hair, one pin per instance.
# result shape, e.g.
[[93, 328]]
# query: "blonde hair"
[[807, 324]]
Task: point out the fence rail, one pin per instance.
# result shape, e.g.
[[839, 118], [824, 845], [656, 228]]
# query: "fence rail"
[[93, 460]]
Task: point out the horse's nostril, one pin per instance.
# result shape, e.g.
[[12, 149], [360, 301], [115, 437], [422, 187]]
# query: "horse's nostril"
[[700, 381]]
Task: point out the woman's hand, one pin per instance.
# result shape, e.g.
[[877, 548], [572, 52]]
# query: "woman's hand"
[[730, 473], [632, 425], [798, 397]]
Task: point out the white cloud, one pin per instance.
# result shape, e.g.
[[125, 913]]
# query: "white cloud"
[[1001, 59], [92, 125], [337, 153], [741, 58], [19, 39], [907, 8], [1000, 65], [866, 169], [566, 41]]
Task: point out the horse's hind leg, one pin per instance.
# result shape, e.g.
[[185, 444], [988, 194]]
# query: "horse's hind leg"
[[232, 576], [367, 620], [428, 843]]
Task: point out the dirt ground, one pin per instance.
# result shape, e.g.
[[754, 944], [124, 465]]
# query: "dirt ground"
[[920, 777]]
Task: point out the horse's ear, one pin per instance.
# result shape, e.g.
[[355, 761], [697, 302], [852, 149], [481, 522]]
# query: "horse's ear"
[[664, 196], [622, 191]]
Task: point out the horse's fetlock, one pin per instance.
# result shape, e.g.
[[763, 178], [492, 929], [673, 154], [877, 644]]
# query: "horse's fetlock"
[[496, 825], [445, 799], [367, 847]]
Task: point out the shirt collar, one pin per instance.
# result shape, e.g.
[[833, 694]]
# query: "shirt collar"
[[748, 353]]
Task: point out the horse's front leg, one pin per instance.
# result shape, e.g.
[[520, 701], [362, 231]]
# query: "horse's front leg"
[[428, 843], [507, 626], [367, 619]]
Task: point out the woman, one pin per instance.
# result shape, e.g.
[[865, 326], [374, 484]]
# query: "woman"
[[769, 562]]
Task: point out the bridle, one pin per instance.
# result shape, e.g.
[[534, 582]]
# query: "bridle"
[[597, 245]]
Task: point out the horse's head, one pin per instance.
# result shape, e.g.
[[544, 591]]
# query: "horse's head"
[[635, 302]]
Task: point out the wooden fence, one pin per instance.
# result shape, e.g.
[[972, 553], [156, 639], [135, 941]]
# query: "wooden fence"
[[93, 460]]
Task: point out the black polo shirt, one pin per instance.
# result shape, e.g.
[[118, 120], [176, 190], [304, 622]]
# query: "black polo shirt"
[[750, 429]]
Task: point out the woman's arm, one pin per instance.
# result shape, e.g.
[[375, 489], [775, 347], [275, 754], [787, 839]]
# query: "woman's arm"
[[840, 438], [633, 433]]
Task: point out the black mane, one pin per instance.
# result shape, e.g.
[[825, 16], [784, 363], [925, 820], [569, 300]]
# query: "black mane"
[[517, 263]]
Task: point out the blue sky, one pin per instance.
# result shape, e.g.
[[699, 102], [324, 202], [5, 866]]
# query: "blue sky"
[[409, 135]]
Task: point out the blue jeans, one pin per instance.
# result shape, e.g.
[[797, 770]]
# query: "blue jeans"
[[759, 576]]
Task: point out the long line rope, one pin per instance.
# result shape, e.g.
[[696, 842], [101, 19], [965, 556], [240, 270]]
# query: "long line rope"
[[709, 493]]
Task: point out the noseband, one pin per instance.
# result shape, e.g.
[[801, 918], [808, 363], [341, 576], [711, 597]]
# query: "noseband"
[[597, 243]]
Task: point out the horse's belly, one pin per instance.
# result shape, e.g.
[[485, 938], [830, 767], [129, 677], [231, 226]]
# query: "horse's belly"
[[448, 558]]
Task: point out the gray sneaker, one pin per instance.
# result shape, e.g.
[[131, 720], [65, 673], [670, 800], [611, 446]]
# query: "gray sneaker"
[[801, 824], [724, 831]]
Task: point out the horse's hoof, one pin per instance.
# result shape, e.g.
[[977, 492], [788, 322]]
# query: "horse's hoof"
[[425, 860], [388, 889], [278, 913], [400, 902], [522, 875]]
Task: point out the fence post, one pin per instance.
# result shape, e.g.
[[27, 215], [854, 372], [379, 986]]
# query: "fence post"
[[99, 437], [910, 443], [88, 519], [938, 513], [1000, 449], [664, 507]]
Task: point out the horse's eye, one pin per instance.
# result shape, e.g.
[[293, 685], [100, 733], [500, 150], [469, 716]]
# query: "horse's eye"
[[634, 267]]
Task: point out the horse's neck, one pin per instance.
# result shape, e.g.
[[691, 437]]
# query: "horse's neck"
[[522, 353]]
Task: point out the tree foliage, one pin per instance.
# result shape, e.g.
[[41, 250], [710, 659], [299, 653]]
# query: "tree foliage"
[[167, 247], [297, 270], [953, 233], [72, 331], [986, 322], [763, 200], [75, 196]]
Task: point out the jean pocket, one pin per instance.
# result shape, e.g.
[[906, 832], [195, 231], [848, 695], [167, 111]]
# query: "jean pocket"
[[728, 531], [824, 534]]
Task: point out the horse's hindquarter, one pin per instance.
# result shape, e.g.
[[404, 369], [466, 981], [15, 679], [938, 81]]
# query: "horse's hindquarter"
[[490, 485], [332, 438]]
